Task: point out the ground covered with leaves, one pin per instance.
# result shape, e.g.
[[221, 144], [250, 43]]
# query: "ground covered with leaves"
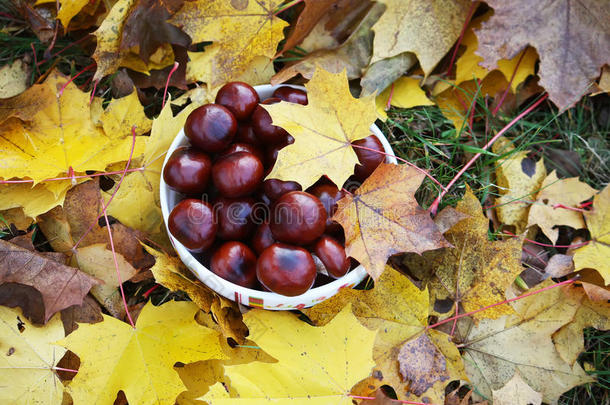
[[487, 246]]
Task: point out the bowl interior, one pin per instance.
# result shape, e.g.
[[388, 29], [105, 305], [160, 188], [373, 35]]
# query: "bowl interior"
[[247, 296]]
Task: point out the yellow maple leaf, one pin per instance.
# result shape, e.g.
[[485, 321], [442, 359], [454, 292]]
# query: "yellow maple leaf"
[[141, 359], [569, 340], [467, 66], [553, 191], [35, 200], [494, 349], [475, 272], [405, 93], [59, 137], [399, 311], [67, 9], [518, 178], [28, 358], [323, 130], [137, 202], [240, 30], [316, 365], [124, 113], [595, 254], [427, 28], [201, 68]]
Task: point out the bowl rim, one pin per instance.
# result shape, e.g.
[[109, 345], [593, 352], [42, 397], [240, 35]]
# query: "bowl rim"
[[249, 296]]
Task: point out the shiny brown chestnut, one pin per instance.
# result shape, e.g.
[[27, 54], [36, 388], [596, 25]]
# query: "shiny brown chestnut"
[[245, 134], [191, 222], [332, 255], [369, 159], [239, 97], [234, 217], [237, 175], [261, 123], [291, 95], [210, 127], [272, 153], [236, 263], [298, 218], [285, 269], [328, 194], [275, 188], [242, 147], [188, 171], [263, 238]]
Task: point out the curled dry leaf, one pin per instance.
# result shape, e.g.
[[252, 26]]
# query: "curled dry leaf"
[[323, 131], [553, 201], [59, 286], [172, 274], [142, 357], [572, 50], [383, 218], [353, 55], [595, 254], [318, 364], [426, 28], [474, 272], [28, 358], [314, 10]]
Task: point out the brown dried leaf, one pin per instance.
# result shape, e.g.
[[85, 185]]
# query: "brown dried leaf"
[[572, 50], [314, 10], [383, 218], [422, 364], [147, 28], [60, 286]]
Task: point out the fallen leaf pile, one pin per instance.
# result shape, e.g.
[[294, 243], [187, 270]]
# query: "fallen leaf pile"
[[486, 301]]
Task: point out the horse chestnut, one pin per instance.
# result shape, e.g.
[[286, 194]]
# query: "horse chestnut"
[[291, 95], [192, 224], [210, 127], [188, 171], [332, 255], [285, 269], [236, 263], [264, 130], [369, 159], [298, 218], [240, 98], [237, 175]]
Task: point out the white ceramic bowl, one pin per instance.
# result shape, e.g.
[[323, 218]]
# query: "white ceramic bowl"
[[248, 296]]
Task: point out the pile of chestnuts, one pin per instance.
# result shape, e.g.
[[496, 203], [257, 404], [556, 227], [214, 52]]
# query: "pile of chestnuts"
[[257, 233]]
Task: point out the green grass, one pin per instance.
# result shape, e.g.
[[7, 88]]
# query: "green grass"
[[426, 138]]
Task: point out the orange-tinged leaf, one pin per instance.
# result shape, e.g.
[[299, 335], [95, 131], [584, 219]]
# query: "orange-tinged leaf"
[[383, 218], [314, 10], [595, 254], [475, 272], [242, 29], [59, 137], [572, 49], [323, 131]]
